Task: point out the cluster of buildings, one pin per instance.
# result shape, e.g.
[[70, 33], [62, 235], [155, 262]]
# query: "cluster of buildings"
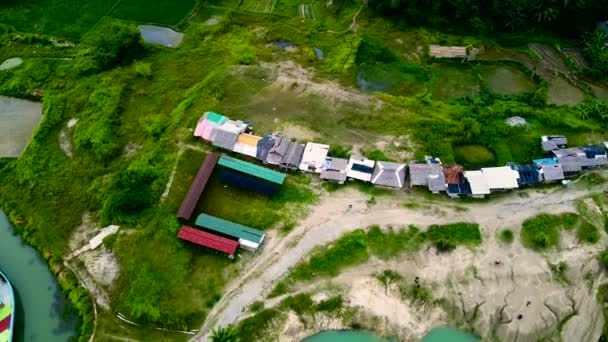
[[283, 153], [286, 154], [559, 163], [216, 233]]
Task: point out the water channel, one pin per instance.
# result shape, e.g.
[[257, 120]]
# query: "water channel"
[[40, 309]]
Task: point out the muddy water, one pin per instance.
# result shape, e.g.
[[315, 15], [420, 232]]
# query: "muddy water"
[[40, 303], [507, 80], [18, 120]]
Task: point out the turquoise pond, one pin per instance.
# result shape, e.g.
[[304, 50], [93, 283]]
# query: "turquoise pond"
[[439, 334]]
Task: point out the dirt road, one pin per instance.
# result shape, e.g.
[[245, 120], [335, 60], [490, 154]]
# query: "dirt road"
[[331, 218]]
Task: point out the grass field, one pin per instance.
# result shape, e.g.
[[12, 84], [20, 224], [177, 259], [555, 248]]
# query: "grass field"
[[72, 19], [474, 156]]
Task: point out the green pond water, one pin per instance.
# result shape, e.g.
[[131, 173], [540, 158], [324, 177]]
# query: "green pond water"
[[506, 80], [439, 334], [453, 81], [40, 304], [18, 119]]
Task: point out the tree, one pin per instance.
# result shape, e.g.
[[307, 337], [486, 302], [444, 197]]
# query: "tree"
[[225, 334]]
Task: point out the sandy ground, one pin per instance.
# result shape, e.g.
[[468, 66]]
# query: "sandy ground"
[[65, 137], [331, 218]]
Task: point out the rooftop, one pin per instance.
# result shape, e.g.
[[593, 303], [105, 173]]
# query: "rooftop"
[[252, 169], [313, 157], [389, 174], [209, 240], [478, 182], [230, 228], [502, 177]]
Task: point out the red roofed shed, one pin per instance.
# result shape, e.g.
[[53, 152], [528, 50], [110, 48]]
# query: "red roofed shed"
[[197, 187], [208, 240]]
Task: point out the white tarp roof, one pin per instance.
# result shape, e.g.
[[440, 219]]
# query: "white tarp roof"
[[502, 177], [313, 157], [360, 168], [478, 182]]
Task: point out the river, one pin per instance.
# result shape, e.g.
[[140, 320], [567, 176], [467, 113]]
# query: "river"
[[40, 304], [438, 334]]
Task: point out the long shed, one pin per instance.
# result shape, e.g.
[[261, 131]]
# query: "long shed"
[[250, 176], [208, 240], [248, 238], [198, 185]]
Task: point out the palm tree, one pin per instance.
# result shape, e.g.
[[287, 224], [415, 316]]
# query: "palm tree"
[[225, 334]]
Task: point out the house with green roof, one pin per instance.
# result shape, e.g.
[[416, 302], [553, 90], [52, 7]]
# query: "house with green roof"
[[250, 176], [248, 238]]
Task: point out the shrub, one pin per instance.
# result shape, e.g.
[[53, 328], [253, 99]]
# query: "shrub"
[[604, 258], [587, 232], [254, 328], [377, 155], [153, 125], [300, 303], [417, 293], [338, 151], [225, 334], [332, 304], [143, 69], [256, 306], [569, 220], [540, 232], [506, 236], [447, 237], [279, 289], [112, 43]]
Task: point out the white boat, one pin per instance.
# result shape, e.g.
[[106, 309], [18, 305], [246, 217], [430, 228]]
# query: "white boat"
[[7, 309]]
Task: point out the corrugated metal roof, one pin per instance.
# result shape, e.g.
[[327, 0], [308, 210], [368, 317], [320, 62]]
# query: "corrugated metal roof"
[[478, 182], [313, 157], [198, 185], [230, 228], [553, 172], [502, 177], [248, 139], [252, 169], [225, 139], [209, 240], [389, 174], [216, 118]]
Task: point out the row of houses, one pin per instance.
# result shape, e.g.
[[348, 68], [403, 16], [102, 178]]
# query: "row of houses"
[[452, 179], [559, 163], [284, 153]]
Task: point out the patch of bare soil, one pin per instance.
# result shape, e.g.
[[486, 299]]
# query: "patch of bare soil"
[[102, 265], [332, 217], [294, 78], [298, 132], [65, 137], [578, 57]]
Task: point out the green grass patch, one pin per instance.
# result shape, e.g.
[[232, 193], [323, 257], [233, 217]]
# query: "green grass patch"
[[541, 232], [164, 12], [453, 81], [447, 237], [587, 232], [506, 236], [474, 156]]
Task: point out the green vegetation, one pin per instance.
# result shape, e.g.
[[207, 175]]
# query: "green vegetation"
[[256, 306], [602, 298], [506, 236], [596, 52], [258, 326], [473, 156], [603, 257], [587, 232], [447, 237], [227, 334], [541, 232], [560, 272], [417, 294], [136, 102]]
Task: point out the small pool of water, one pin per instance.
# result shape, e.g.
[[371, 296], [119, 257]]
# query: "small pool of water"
[[507, 80], [448, 334], [11, 63], [40, 304], [18, 120], [346, 336], [452, 82], [161, 35]]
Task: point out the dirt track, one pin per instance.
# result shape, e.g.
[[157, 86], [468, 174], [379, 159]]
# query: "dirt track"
[[331, 218]]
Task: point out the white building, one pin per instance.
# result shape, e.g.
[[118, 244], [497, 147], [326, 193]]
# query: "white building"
[[478, 182], [313, 157], [360, 168], [501, 178]]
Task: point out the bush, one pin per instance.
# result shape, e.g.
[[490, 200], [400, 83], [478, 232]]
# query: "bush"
[[377, 155], [300, 303], [417, 293], [227, 334], [540, 232], [153, 125], [256, 306], [254, 328], [604, 259], [112, 43], [143, 69], [506, 236], [279, 289], [587, 232], [332, 304], [338, 151], [447, 237]]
